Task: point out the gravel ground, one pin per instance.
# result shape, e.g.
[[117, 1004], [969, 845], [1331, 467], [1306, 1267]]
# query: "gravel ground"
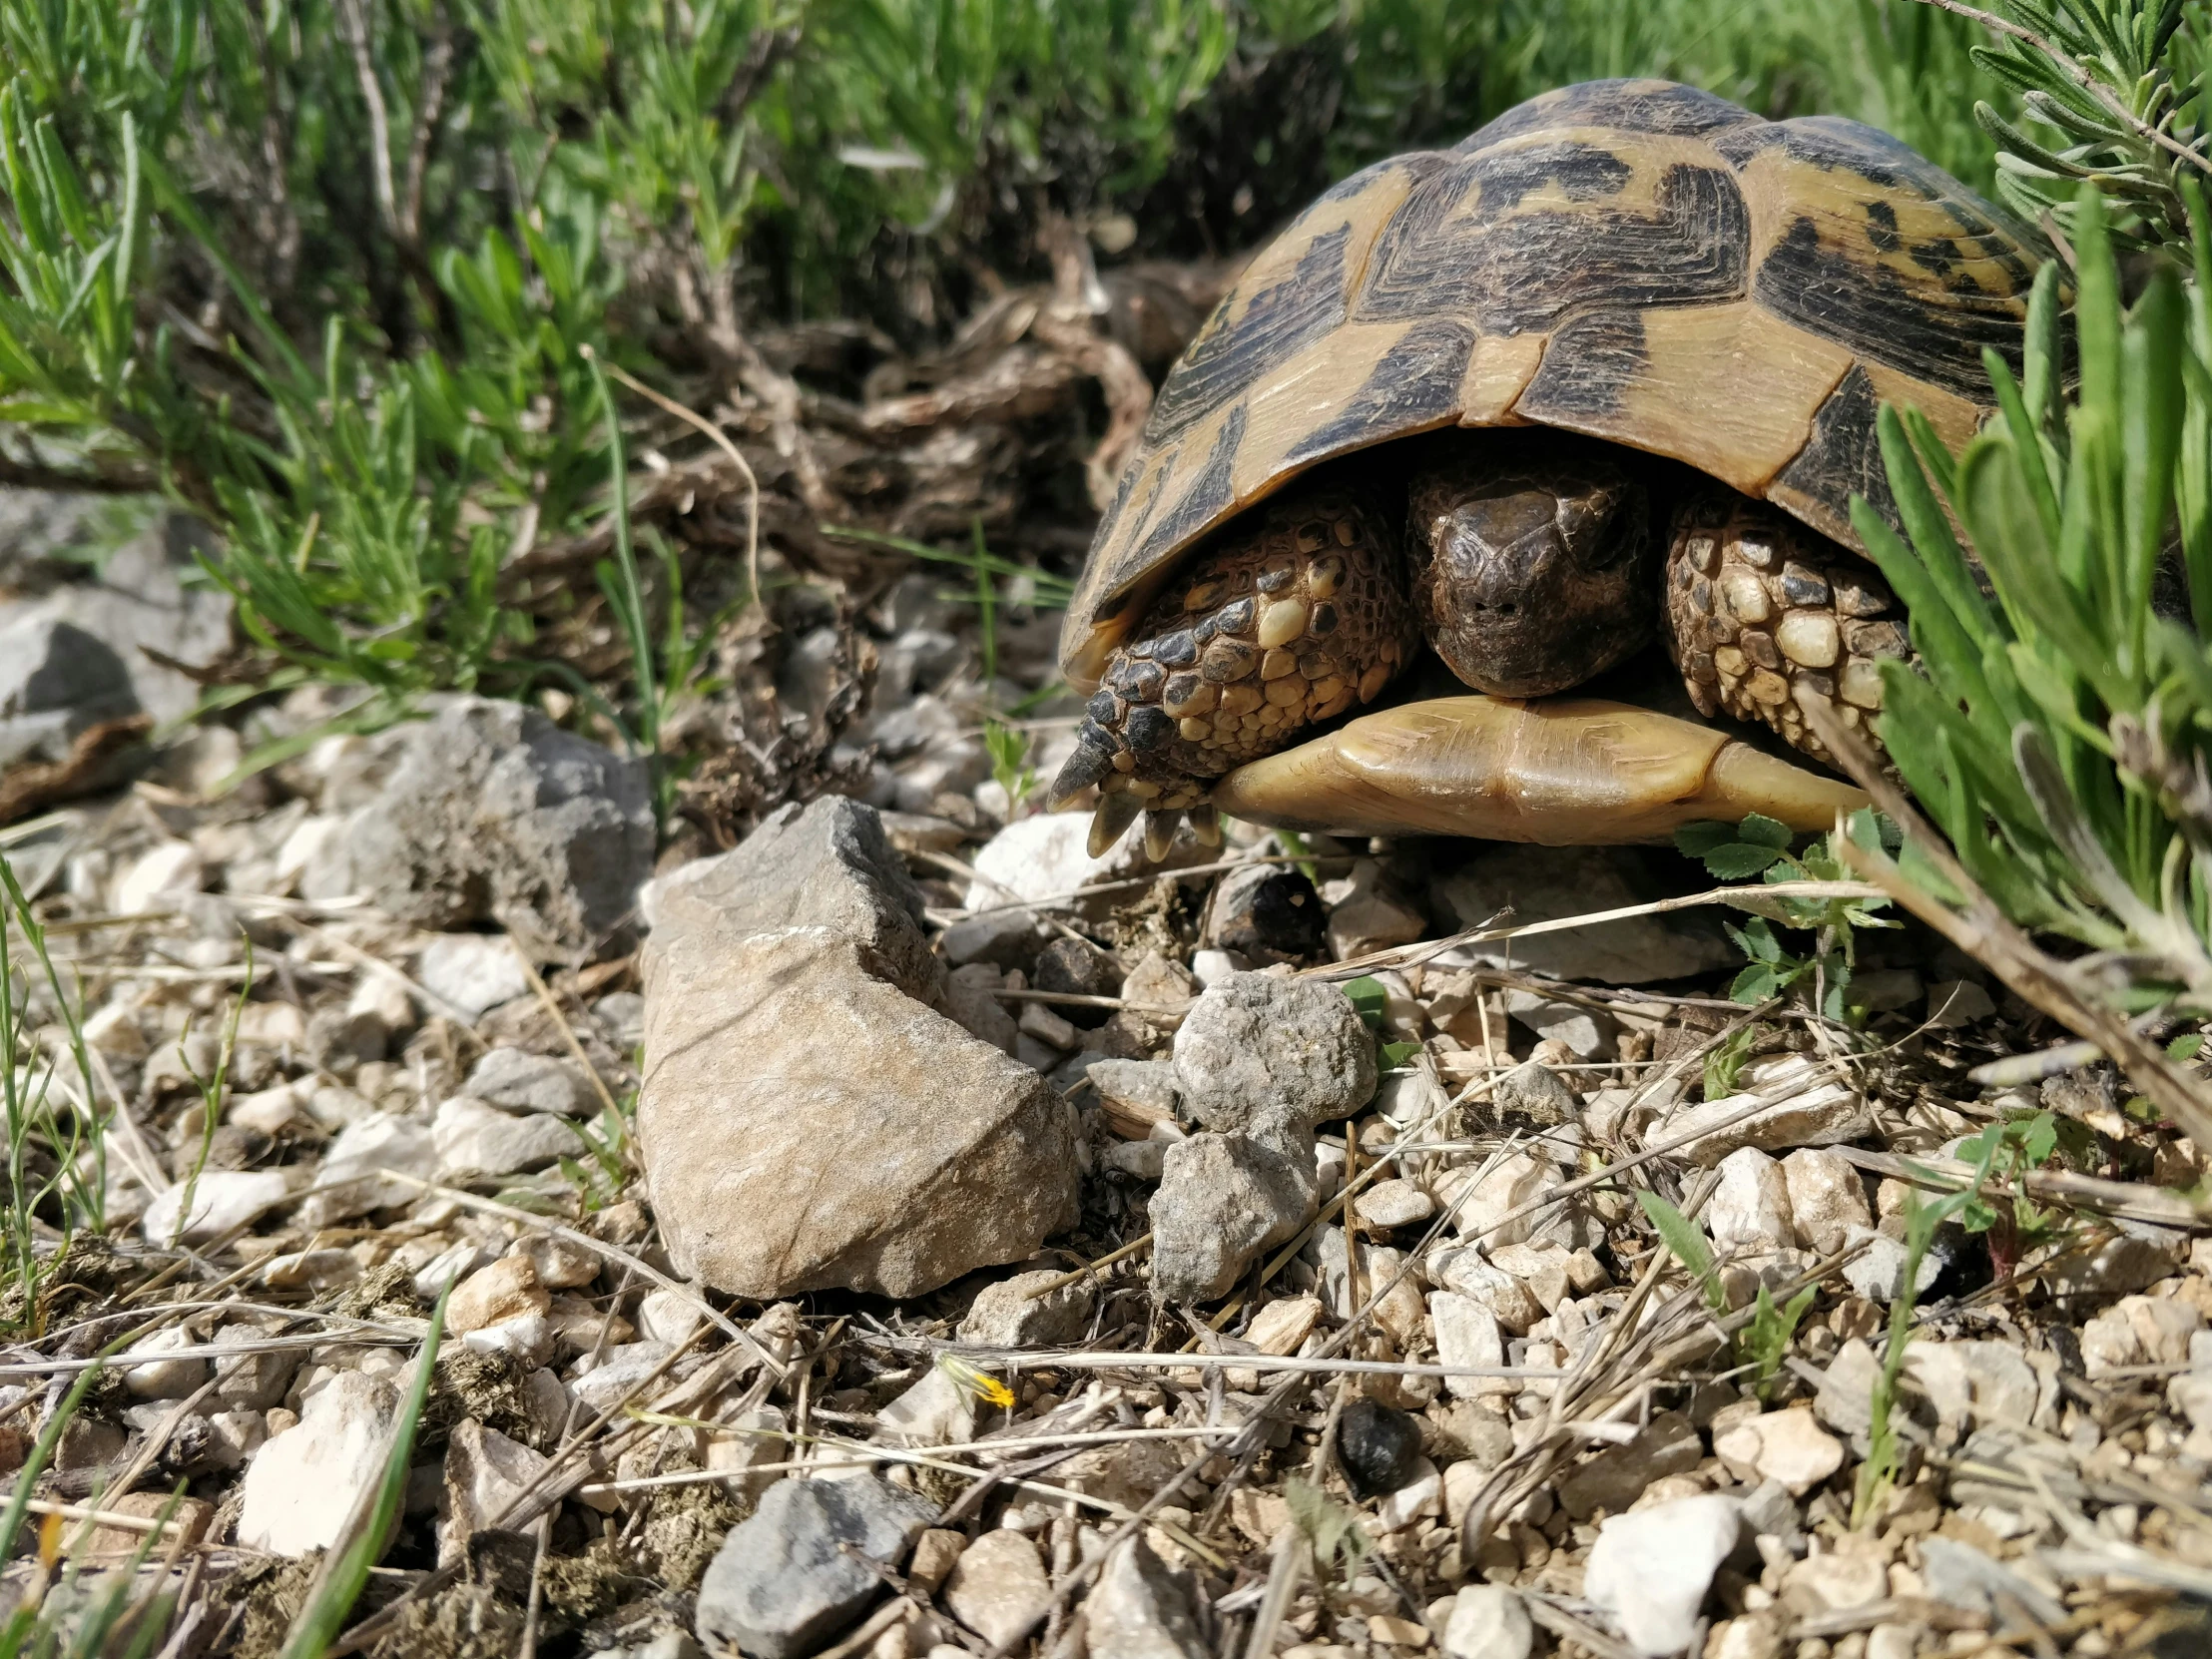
[[1356, 1335]]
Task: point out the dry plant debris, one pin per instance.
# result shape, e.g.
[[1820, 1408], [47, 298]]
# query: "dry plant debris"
[[1578, 1335]]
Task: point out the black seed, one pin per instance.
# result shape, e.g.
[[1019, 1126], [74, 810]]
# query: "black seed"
[[1147, 728], [1233, 618], [1103, 709], [1175, 650], [1180, 689], [1380, 1447], [1322, 620]]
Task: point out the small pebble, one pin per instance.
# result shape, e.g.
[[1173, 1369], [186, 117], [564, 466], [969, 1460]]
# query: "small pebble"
[[1380, 1447]]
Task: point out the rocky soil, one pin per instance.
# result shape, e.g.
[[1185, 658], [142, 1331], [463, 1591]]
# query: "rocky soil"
[[902, 1234]]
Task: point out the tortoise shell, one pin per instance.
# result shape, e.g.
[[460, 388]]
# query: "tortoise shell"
[[1636, 260]]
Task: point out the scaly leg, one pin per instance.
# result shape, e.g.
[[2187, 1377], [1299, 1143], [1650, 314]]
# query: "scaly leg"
[[1296, 616], [1761, 612]]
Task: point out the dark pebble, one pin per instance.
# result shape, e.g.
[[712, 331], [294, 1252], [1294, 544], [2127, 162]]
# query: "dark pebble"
[[1275, 917], [1379, 1445], [1072, 967]]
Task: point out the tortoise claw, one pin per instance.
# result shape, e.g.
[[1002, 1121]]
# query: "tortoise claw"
[[1158, 833], [1562, 772], [1206, 825], [1116, 813], [1091, 762]]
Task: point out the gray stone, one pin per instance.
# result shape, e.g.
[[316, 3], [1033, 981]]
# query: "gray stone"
[[358, 1164], [2133, 1258], [1393, 1204], [1828, 1198], [829, 864], [808, 1125], [796, 1571], [1003, 938], [221, 1199], [150, 1378], [1020, 1313], [1488, 1621], [1877, 1274], [971, 998], [1222, 1200], [1261, 1054], [998, 1587], [252, 1381], [1805, 1106], [1368, 913], [1466, 1334], [485, 1473], [55, 681], [1845, 1390], [134, 597], [527, 1083], [1750, 1209], [303, 1485], [1534, 1091], [475, 1138], [474, 973], [621, 1370], [1651, 1569], [495, 815], [1546, 884], [1141, 1609], [1589, 1033], [1047, 855]]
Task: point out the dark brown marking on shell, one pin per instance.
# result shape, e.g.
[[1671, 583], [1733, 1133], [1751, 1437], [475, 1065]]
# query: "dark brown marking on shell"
[[1203, 501], [1440, 259], [1843, 456], [1587, 369], [1232, 353], [1416, 384], [1632, 106], [1841, 295]]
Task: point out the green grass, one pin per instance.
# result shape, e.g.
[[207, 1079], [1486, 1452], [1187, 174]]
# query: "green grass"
[[43, 1127], [351, 318]]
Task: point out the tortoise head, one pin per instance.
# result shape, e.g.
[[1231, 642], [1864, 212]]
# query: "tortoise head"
[[1533, 562]]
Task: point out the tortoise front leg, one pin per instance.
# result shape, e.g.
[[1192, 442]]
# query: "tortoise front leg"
[[1561, 772], [1762, 611], [1288, 622]]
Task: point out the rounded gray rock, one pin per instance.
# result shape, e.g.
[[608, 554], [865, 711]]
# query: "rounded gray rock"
[[1222, 1200], [1258, 1052], [799, 1571]]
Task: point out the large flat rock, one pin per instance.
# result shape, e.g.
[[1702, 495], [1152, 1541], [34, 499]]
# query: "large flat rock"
[[808, 1125]]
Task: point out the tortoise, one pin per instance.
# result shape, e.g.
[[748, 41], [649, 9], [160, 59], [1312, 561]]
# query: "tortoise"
[[1608, 367]]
